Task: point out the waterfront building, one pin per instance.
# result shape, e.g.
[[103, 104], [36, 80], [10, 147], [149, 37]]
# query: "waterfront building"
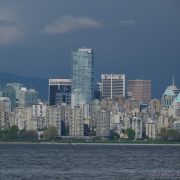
[[95, 106], [39, 115], [66, 116], [137, 127], [76, 124], [59, 91], [164, 120], [4, 120], [5, 112], [103, 123], [53, 118], [140, 90], [113, 85], [176, 125], [22, 118], [82, 76], [151, 129]]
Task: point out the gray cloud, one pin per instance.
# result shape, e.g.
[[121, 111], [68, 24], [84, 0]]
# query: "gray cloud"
[[66, 24], [125, 23], [10, 28], [9, 34]]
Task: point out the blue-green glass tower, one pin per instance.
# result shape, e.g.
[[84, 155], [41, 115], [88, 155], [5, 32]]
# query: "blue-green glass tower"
[[82, 76]]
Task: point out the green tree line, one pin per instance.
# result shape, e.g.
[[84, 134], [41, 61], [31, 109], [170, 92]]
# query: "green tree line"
[[13, 133]]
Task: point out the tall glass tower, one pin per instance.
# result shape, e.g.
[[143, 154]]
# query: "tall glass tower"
[[82, 76]]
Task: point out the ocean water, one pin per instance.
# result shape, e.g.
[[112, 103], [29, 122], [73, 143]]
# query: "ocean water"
[[86, 162]]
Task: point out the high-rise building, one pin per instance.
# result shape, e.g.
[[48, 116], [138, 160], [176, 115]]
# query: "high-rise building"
[[98, 91], [59, 91], [76, 124], [82, 76], [151, 129], [53, 117], [137, 127], [140, 90], [27, 97], [12, 91], [103, 123], [169, 95], [113, 85], [5, 104]]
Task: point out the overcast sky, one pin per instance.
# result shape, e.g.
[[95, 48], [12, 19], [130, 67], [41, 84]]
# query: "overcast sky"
[[140, 38]]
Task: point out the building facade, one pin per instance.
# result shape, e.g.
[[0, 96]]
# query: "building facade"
[[76, 124], [82, 76], [113, 85], [137, 127], [27, 97], [59, 91], [140, 90], [151, 129]]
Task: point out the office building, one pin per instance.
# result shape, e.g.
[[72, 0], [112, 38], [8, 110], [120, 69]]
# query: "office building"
[[113, 85], [169, 95], [27, 97], [12, 91], [140, 90], [59, 91], [82, 76]]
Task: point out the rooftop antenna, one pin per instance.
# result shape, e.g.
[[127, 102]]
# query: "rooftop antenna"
[[173, 81]]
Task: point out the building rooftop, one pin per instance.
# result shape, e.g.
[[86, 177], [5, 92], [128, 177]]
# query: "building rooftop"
[[170, 90]]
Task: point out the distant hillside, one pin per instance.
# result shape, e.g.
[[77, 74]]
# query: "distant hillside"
[[40, 84]]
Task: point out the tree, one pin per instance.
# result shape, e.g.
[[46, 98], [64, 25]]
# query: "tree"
[[12, 132], [163, 134], [87, 131], [130, 133], [32, 134], [173, 135], [51, 133], [114, 135], [28, 135]]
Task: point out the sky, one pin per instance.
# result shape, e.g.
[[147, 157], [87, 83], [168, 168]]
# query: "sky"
[[138, 38]]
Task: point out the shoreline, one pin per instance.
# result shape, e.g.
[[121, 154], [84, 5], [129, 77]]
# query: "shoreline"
[[93, 144]]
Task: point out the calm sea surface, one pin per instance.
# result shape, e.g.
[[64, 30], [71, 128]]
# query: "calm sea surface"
[[46, 162]]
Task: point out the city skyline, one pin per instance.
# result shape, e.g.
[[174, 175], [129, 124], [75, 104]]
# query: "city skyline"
[[89, 89], [126, 37]]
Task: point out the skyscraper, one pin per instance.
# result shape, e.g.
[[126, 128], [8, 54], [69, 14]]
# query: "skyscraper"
[[59, 91], [12, 91], [27, 97], [140, 90], [113, 85], [82, 76]]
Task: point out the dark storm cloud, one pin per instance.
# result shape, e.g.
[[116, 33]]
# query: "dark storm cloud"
[[139, 38]]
